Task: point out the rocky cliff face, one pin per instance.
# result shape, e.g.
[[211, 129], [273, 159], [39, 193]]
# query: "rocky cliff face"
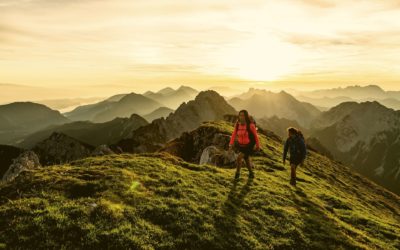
[[208, 144], [24, 162], [190, 145], [207, 106], [60, 148], [366, 136], [7, 154]]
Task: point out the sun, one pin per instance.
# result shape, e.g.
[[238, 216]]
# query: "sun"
[[261, 58]]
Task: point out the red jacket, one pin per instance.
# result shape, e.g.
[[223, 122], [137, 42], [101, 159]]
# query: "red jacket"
[[243, 137]]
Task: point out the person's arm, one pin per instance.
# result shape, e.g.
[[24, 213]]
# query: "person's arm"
[[254, 131], [285, 150], [233, 136]]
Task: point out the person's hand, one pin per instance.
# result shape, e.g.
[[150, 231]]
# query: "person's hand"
[[230, 147], [257, 148]]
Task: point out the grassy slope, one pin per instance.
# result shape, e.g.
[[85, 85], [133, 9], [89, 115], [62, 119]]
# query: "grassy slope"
[[159, 201]]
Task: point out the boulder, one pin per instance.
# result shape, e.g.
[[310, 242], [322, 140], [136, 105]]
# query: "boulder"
[[213, 155], [26, 161]]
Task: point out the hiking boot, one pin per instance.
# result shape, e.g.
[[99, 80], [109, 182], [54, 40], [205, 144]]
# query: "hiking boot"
[[251, 174], [237, 175], [293, 182]]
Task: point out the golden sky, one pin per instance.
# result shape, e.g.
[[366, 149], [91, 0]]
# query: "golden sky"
[[147, 44]]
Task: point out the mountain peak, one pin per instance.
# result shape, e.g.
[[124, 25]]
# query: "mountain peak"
[[136, 117], [166, 91], [61, 148], [367, 87], [208, 94], [187, 89]]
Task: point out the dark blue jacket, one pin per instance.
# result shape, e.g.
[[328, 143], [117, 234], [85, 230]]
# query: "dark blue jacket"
[[296, 147]]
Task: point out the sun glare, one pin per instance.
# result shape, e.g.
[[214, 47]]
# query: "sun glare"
[[261, 58]]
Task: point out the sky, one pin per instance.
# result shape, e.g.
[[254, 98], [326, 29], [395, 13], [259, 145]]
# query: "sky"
[[100, 47]]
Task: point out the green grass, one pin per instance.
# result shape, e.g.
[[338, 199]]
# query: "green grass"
[[158, 201]]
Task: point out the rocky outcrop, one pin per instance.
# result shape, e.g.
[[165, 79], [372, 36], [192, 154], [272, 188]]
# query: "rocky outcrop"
[[190, 145], [207, 106], [102, 150], [60, 148], [7, 155], [231, 118], [218, 157], [26, 161], [367, 137]]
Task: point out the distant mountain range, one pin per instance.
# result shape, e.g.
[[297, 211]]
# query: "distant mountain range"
[[331, 97], [91, 133], [66, 105], [108, 110], [265, 104], [173, 98], [150, 105], [158, 113], [364, 135]]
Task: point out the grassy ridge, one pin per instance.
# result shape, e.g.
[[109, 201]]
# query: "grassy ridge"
[[158, 201]]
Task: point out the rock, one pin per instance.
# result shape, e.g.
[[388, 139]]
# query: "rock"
[[217, 157], [231, 118], [60, 148], [7, 155], [24, 162], [102, 150], [190, 145]]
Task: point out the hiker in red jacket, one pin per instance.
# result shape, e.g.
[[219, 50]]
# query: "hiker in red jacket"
[[247, 141]]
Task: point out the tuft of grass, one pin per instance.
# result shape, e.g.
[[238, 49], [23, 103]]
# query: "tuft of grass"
[[159, 201]]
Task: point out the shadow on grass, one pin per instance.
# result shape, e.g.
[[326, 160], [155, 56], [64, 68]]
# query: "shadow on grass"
[[226, 224], [319, 230]]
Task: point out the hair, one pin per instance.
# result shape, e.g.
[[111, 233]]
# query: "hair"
[[295, 131], [246, 116]]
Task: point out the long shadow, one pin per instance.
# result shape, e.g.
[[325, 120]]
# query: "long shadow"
[[226, 224], [320, 231]]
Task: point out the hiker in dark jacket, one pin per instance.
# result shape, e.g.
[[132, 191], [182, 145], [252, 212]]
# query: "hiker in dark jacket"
[[296, 146], [247, 141]]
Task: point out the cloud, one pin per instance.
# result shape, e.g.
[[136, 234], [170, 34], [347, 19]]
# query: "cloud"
[[319, 3], [388, 39], [126, 39]]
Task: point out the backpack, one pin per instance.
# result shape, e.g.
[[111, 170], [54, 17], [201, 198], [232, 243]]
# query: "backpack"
[[298, 140], [252, 138]]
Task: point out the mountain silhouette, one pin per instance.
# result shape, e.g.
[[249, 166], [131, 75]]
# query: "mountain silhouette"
[[91, 133], [21, 118], [262, 103]]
